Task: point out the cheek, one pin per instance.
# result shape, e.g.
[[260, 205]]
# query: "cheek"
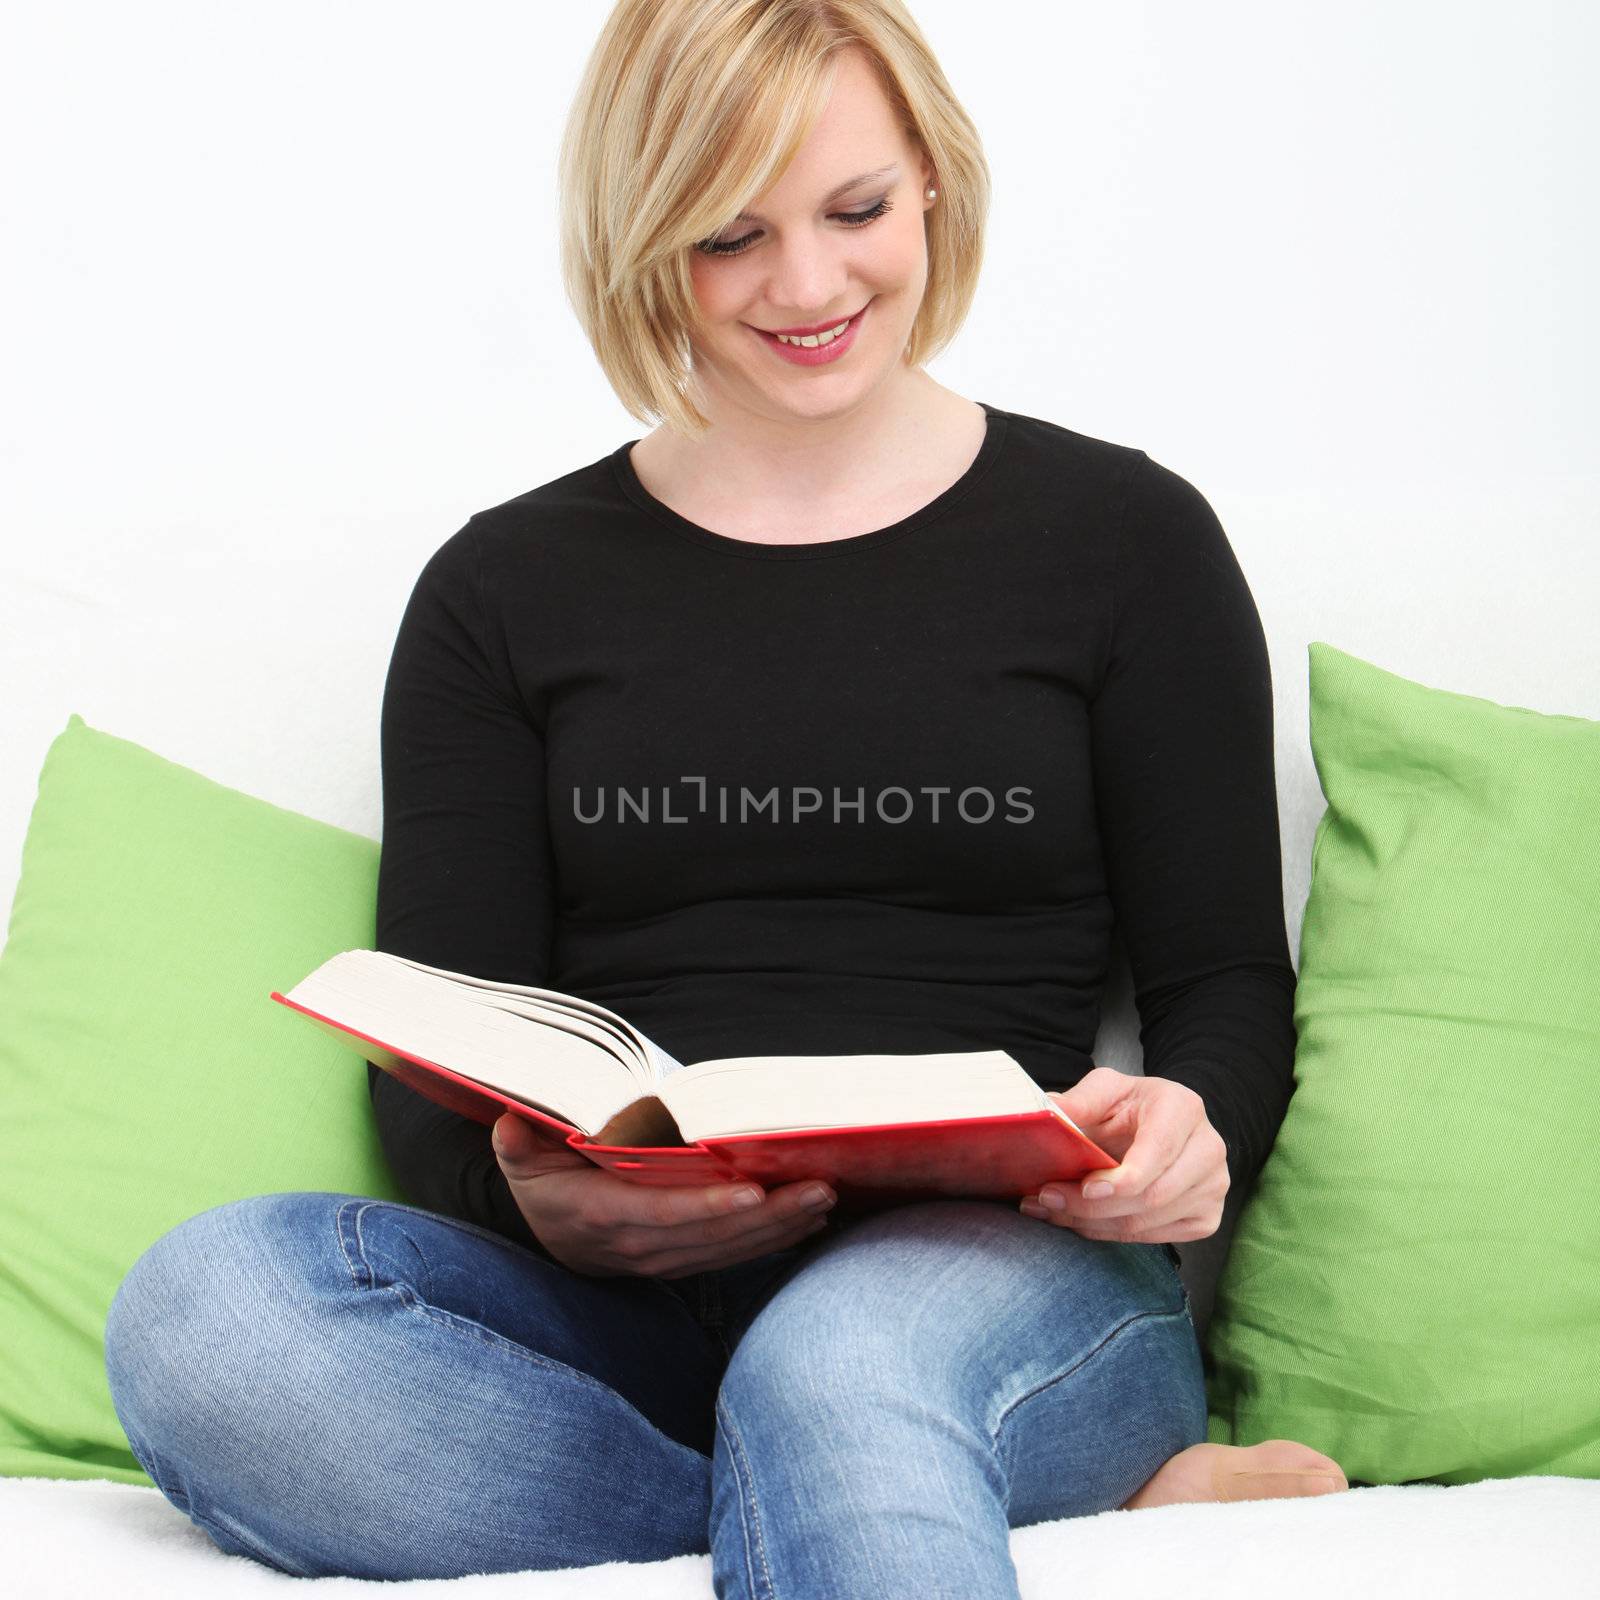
[[901, 255], [719, 293], [712, 291]]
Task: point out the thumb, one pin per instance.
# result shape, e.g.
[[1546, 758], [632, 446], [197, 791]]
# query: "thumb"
[[506, 1136], [523, 1153], [1095, 1097]]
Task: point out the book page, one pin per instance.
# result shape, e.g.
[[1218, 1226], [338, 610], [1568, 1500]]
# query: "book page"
[[575, 1076], [639, 1055], [771, 1094], [662, 1063]]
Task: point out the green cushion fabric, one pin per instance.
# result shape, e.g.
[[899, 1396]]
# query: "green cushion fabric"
[[145, 1074], [1414, 1285]]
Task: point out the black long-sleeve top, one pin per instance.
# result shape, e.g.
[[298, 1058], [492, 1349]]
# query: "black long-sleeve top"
[[881, 793]]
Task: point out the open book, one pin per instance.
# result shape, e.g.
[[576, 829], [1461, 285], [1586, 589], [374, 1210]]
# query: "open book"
[[897, 1126]]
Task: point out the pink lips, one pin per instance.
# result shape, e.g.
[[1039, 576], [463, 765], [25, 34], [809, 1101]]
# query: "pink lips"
[[816, 355]]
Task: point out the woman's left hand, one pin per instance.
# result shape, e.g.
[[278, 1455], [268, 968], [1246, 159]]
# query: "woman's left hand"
[[1172, 1172]]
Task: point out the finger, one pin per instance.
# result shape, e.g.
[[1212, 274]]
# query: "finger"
[[512, 1140], [609, 1201], [778, 1237], [623, 1204], [524, 1150], [667, 1208], [1164, 1129], [1170, 1197], [680, 1263], [779, 1210], [1164, 1137], [1100, 1096], [1184, 1230], [1095, 1094]]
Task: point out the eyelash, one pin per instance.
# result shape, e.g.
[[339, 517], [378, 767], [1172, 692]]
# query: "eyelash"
[[852, 219]]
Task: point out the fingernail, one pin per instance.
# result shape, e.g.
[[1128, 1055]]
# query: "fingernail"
[[1053, 1199], [745, 1198], [814, 1198], [1096, 1191], [1029, 1209]]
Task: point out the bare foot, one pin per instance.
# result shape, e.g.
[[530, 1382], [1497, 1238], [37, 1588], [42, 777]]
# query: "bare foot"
[[1271, 1470]]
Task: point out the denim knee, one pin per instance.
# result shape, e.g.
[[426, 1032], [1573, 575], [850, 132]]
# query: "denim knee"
[[949, 1303], [956, 1352], [286, 1385], [200, 1316]]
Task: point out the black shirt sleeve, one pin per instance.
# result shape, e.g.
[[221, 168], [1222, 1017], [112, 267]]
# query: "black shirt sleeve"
[[1185, 791], [464, 877]]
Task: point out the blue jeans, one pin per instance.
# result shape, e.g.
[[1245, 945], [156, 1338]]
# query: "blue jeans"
[[337, 1385]]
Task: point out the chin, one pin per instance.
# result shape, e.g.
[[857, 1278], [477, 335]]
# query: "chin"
[[813, 400]]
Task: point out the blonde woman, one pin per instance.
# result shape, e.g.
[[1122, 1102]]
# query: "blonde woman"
[[839, 713]]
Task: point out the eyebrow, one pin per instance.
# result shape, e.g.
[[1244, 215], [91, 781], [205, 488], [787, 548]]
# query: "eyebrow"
[[833, 194]]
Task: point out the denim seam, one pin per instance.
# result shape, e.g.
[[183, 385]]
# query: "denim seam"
[[749, 1512], [229, 1530], [340, 1223], [459, 1224], [361, 1241], [1143, 1316], [463, 1325], [413, 1302], [155, 1469], [361, 1246]]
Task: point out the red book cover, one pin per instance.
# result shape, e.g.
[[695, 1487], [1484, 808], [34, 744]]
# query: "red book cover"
[[1000, 1157]]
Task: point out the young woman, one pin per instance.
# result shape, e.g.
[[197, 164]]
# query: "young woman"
[[909, 697]]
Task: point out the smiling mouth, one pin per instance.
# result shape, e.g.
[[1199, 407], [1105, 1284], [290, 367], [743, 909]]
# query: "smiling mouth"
[[835, 329]]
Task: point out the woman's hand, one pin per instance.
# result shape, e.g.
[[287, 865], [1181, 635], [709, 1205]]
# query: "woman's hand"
[[1172, 1172], [605, 1227]]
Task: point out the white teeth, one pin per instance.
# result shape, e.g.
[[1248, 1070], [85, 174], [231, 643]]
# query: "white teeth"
[[812, 340]]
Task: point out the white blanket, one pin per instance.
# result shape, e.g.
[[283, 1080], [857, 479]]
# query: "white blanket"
[[1483, 1541]]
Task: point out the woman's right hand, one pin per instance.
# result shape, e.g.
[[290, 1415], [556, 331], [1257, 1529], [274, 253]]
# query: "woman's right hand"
[[606, 1227]]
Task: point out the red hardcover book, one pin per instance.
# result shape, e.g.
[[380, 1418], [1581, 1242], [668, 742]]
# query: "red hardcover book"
[[521, 1049]]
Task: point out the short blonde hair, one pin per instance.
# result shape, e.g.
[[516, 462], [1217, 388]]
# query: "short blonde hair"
[[689, 109]]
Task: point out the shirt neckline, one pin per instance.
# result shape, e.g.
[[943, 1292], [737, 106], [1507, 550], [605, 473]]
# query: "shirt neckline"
[[633, 486]]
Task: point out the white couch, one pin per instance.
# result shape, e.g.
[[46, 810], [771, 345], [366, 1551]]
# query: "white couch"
[[294, 718]]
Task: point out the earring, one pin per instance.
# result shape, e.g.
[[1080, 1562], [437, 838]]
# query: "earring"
[[932, 193]]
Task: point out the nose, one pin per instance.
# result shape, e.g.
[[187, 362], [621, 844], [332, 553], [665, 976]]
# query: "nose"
[[810, 278]]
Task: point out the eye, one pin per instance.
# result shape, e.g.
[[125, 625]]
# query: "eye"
[[851, 219]]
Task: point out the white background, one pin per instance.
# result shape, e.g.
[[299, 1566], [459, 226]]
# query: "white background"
[[282, 310]]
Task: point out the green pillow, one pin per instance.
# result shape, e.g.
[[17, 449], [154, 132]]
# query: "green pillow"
[[145, 1074], [1413, 1288]]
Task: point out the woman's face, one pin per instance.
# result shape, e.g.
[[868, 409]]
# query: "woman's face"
[[811, 256]]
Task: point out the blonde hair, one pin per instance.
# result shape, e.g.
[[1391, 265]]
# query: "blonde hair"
[[689, 109]]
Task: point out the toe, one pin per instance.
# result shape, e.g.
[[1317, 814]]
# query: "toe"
[[1276, 1469]]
